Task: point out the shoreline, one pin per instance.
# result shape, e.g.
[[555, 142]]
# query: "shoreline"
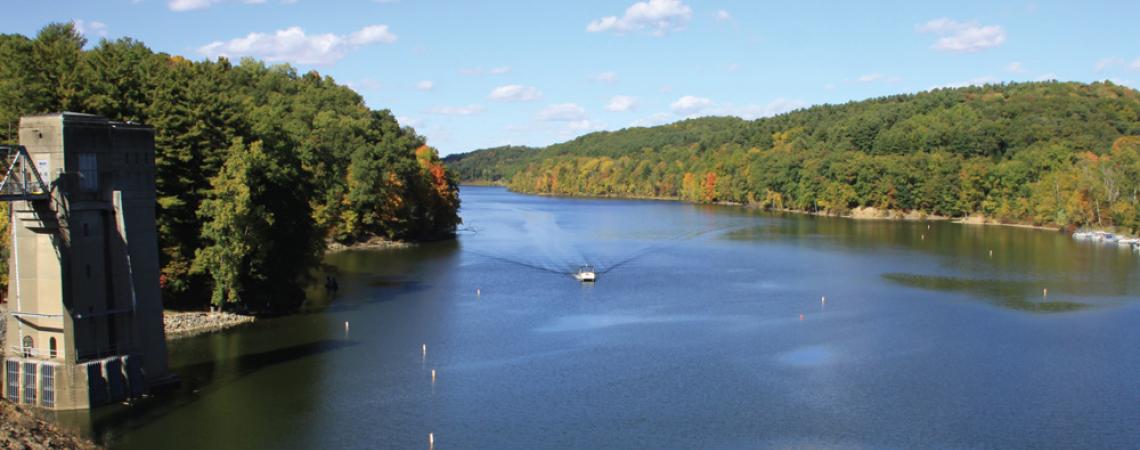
[[859, 213], [189, 323], [184, 324], [21, 428], [375, 243]]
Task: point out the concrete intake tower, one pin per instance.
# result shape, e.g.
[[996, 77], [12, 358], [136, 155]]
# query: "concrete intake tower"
[[84, 325]]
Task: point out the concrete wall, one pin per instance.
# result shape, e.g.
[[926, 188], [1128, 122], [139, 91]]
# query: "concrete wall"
[[86, 262]]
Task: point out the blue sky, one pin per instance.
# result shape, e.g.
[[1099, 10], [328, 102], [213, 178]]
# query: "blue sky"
[[472, 74]]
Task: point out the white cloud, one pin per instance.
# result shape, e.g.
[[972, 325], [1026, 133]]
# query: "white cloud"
[[1047, 77], [874, 77], [372, 34], [733, 67], [478, 71], [620, 103], [190, 5], [829, 86], [425, 85], [605, 77], [1135, 64], [468, 110], [515, 93], [1108, 63], [690, 105], [722, 15], [406, 121], [1015, 67], [562, 112], [962, 37], [92, 28], [366, 84], [658, 16], [294, 46]]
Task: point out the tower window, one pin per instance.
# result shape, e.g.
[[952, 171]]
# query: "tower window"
[[52, 348], [88, 172]]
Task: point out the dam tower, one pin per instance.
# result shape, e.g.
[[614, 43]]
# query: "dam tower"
[[84, 323]]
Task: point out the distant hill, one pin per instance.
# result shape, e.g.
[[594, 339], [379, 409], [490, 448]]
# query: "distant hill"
[[1044, 152]]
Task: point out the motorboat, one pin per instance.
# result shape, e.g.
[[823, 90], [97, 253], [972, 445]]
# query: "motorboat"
[[1104, 236], [1083, 235], [586, 274]]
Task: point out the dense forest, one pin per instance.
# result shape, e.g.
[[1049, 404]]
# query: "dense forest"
[[1045, 153], [257, 166]]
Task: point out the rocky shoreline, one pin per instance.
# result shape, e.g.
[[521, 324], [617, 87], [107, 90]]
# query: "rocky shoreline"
[[376, 243], [181, 324], [22, 429]]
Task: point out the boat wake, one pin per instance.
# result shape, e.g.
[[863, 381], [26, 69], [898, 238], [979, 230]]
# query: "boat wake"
[[571, 258]]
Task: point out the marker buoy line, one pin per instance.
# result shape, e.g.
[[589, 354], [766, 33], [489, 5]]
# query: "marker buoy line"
[[477, 292], [346, 328], [1045, 293], [431, 440], [433, 376], [423, 349]]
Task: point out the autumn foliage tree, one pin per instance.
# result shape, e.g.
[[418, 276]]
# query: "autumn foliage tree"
[[358, 168], [1047, 153]]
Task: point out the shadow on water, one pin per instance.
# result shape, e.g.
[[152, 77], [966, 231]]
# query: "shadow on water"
[[198, 380], [1007, 293], [359, 271]]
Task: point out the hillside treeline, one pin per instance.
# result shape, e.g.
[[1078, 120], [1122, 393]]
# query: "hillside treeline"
[[257, 166], [1046, 153]]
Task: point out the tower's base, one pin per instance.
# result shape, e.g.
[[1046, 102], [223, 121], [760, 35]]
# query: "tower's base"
[[61, 386]]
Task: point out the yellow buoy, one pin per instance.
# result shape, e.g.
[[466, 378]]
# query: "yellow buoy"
[[1045, 293], [433, 375]]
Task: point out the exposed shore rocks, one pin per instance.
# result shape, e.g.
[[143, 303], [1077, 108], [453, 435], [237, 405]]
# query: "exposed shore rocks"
[[376, 243], [180, 324], [22, 429]]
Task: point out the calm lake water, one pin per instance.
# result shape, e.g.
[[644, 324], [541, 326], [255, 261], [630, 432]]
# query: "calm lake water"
[[707, 331]]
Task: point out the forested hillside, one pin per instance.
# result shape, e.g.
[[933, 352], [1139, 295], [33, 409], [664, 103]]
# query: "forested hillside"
[[1046, 153], [257, 166]]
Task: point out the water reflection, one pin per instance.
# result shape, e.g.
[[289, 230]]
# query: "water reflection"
[[696, 345]]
